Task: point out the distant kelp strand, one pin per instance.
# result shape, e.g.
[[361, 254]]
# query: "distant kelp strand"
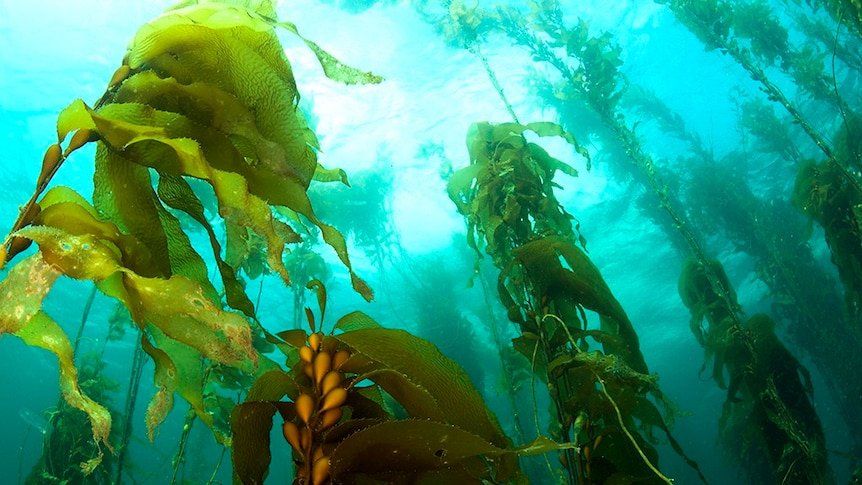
[[185, 103], [768, 393]]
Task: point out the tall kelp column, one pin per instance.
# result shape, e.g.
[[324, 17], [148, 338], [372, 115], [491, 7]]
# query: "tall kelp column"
[[548, 284], [829, 191], [588, 68]]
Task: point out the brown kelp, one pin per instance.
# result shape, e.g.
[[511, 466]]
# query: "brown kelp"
[[548, 284], [205, 92], [589, 65], [767, 409], [369, 404], [737, 30], [722, 201]]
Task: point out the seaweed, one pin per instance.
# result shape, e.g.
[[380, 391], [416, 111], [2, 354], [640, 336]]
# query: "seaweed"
[[174, 111], [547, 285], [768, 404], [822, 193], [367, 403]]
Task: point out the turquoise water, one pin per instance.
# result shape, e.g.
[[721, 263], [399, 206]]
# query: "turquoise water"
[[396, 138]]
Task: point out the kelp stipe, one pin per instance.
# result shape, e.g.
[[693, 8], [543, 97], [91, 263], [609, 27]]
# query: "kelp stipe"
[[346, 391], [184, 104]]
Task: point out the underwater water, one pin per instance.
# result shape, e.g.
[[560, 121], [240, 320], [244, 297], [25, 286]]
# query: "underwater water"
[[692, 153]]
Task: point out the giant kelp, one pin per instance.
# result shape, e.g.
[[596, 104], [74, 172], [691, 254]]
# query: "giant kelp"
[[67, 438], [547, 285], [205, 92], [768, 407], [769, 229], [822, 193], [726, 26], [589, 65], [369, 404]]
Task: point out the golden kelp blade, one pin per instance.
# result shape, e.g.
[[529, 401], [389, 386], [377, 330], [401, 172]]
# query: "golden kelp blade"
[[21, 295]]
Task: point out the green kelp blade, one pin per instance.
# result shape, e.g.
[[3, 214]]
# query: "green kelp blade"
[[23, 291], [332, 67], [213, 15], [416, 401], [420, 447], [176, 305], [212, 107], [424, 365], [323, 174], [264, 8], [252, 423], [78, 218], [42, 331], [177, 193], [189, 364], [166, 379], [154, 146], [558, 269], [647, 412], [355, 321], [418, 450], [260, 78], [273, 386], [460, 186]]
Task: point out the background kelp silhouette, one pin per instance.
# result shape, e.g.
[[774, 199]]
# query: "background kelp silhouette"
[[199, 139]]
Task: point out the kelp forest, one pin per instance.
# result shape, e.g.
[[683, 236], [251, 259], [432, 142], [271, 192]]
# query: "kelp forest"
[[440, 242]]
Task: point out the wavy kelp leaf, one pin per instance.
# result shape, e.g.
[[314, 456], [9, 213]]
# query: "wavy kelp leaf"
[[427, 367], [506, 192], [184, 156], [78, 218], [322, 174], [190, 377], [273, 386], [264, 8], [176, 193], [176, 305], [173, 43], [213, 107], [166, 379], [460, 186], [42, 331], [161, 142], [697, 293], [648, 413], [559, 270], [417, 401], [23, 290], [251, 423], [355, 321], [260, 75], [424, 448], [332, 67]]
